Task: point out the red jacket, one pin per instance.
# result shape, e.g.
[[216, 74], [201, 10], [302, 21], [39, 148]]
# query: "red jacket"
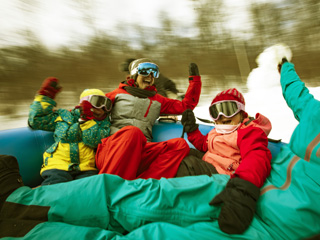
[[129, 110], [243, 153]]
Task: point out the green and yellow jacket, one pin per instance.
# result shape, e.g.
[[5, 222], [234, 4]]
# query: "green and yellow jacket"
[[75, 142]]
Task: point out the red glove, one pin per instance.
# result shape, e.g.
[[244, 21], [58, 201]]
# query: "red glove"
[[50, 87], [86, 113]]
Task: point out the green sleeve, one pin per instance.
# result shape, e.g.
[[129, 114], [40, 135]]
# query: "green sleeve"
[[93, 131], [41, 114]]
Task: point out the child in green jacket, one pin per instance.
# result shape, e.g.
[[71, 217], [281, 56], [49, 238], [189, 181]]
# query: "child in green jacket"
[[76, 133]]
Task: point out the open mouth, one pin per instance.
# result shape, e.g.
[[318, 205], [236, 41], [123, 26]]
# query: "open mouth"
[[147, 81]]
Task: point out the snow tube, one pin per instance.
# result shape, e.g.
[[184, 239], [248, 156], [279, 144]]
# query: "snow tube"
[[28, 146], [287, 207]]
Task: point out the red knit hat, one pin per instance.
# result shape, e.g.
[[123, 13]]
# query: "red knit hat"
[[229, 94]]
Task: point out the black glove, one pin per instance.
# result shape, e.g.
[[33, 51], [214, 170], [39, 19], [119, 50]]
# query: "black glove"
[[188, 121], [10, 178], [280, 64], [239, 200], [193, 70]]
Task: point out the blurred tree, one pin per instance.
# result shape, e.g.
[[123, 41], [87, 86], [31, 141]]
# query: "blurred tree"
[[220, 56], [307, 16], [267, 24], [210, 24]]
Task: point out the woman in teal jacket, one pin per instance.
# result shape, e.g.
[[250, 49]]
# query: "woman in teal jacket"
[[109, 207], [293, 188]]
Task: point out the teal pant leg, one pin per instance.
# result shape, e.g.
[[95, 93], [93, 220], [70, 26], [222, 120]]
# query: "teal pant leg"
[[64, 231], [201, 230], [81, 202], [180, 201], [174, 208], [110, 202]]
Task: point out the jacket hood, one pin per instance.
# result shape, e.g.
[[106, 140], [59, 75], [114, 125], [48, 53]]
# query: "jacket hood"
[[260, 121]]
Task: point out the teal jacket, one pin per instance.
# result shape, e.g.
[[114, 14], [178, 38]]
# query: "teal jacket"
[[75, 142], [290, 197], [305, 140]]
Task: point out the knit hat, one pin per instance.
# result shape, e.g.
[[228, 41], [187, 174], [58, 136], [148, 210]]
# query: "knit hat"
[[88, 92], [134, 64], [229, 94]]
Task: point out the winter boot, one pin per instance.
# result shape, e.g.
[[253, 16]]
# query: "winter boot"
[[10, 178]]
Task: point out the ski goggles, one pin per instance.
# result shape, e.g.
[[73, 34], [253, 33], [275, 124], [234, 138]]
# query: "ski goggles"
[[225, 108], [98, 101], [146, 68]]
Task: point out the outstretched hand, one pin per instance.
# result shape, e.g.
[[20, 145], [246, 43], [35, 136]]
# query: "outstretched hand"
[[280, 64], [50, 87], [193, 70]]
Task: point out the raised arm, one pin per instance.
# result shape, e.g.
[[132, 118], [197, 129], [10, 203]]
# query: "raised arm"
[[41, 113], [192, 96], [296, 93]]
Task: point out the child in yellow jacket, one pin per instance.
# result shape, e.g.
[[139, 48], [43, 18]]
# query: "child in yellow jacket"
[[77, 133]]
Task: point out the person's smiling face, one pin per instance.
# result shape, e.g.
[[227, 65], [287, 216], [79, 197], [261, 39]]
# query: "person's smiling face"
[[235, 120], [145, 81]]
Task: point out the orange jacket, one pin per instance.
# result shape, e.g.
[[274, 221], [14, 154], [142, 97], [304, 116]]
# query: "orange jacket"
[[243, 153]]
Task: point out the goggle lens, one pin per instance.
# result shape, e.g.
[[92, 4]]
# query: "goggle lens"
[[145, 69], [100, 102], [228, 109]]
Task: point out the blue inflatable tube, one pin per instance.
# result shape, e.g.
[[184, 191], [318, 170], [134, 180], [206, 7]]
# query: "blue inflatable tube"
[[28, 146]]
